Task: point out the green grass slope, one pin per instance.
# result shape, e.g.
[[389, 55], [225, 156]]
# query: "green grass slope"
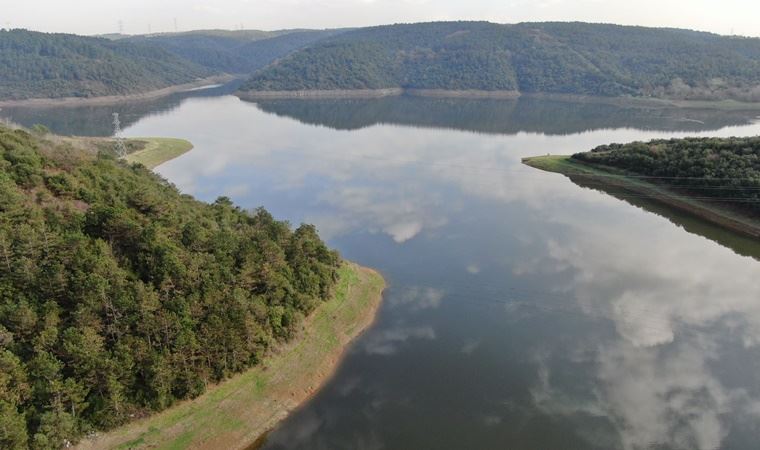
[[158, 150]]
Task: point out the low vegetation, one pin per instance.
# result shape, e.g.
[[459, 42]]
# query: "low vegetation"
[[156, 151], [120, 296]]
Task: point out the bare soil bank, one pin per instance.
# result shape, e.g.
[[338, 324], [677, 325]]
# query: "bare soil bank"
[[111, 99], [318, 94], [651, 102], [374, 93]]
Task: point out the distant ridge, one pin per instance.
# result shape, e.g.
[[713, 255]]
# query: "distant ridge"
[[239, 52], [52, 65], [553, 57]]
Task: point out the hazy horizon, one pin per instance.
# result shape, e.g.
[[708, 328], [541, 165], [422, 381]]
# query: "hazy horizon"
[[88, 17]]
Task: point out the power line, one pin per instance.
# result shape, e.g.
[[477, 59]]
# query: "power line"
[[120, 148]]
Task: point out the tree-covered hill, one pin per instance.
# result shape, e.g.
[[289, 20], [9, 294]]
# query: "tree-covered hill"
[[120, 296], [722, 171], [240, 52], [47, 65], [562, 58]]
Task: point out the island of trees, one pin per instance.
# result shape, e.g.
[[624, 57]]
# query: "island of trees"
[[120, 296]]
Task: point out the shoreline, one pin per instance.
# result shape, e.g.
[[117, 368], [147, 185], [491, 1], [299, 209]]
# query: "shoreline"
[[239, 412], [113, 99], [374, 93], [652, 102], [659, 194], [320, 94]]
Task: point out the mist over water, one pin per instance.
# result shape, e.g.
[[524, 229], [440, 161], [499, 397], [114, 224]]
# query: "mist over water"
[[523, 310]]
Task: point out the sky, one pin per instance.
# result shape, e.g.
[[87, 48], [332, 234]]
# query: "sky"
[[142, 16]]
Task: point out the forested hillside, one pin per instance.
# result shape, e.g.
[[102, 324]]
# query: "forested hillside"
[[719, 170], [562, 58], [46, 65], [239, 52], [119, 295]]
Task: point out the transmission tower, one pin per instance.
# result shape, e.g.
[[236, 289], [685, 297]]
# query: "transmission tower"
[[120, 148]]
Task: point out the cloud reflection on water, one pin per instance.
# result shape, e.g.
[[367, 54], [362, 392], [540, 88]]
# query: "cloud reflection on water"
[[673, 298]]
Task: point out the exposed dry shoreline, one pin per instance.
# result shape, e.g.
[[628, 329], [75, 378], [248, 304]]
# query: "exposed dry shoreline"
[[374, 93], [318, 94], [652, 102], [111, 99], [467, 93], [237, 413]]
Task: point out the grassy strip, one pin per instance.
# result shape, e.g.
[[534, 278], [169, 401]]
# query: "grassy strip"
[[610, 177], [239, 411], [158, 151]]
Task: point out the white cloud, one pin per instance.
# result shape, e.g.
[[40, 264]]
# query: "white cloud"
[[387, 342], [418, 298]]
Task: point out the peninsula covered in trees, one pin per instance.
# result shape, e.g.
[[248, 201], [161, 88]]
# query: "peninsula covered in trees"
[[717, 179], [555, 58], [120, 296]]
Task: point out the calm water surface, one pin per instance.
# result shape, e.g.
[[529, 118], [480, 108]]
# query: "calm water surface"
[[523, 310]]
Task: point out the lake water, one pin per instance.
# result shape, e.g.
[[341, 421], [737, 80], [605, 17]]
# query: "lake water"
[[523, 310]]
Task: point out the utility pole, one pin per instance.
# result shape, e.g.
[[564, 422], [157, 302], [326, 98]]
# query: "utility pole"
[[120, 148], [121, 27]]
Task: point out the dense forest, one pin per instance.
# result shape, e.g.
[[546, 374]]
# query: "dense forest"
[[563, 58], [46, 65], [120, 296], [720, 170], [559, 58], [239, 52]]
